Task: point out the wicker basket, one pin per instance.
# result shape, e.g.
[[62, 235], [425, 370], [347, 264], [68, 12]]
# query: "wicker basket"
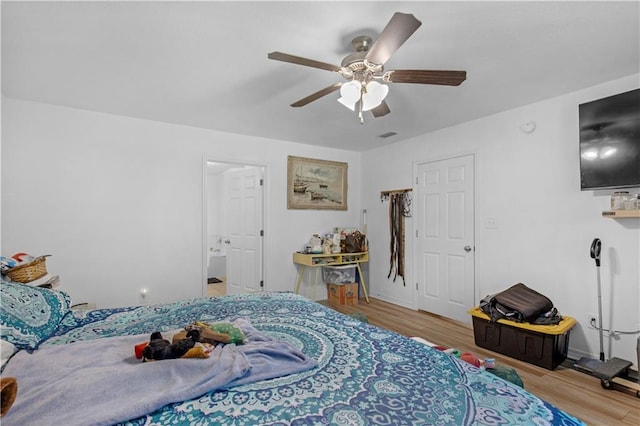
[[28, 272]]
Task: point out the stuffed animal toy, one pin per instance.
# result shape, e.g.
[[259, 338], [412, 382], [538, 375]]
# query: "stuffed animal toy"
[[206, 334], [197, 340], [234, 334], [160, 348], [471, 359]]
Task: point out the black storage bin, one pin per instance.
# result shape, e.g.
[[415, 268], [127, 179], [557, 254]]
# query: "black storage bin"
[[544, 345]]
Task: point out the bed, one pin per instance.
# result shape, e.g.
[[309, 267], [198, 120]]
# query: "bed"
[[360, 374]]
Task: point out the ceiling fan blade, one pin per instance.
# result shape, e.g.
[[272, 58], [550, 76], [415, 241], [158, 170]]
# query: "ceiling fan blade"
[[397, 31], [381, 110], [317, 95], [445, 78], [285, 57]]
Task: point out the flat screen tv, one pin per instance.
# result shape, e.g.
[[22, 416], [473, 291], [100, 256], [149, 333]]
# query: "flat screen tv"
[[610, 142]]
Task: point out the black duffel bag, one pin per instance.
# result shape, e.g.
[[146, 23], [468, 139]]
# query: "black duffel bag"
[[519, 303]]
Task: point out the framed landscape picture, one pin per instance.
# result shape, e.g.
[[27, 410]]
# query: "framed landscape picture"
[[316, 184]]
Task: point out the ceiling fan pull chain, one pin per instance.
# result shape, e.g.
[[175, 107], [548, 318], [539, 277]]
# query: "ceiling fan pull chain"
[[362, 91]]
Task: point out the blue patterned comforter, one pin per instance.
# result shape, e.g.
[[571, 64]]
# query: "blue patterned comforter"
[[366, 375]]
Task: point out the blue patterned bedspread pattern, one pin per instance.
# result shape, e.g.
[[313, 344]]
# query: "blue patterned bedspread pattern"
[[366, 375]]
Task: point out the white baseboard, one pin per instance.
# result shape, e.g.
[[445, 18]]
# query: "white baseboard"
[[394, 301]]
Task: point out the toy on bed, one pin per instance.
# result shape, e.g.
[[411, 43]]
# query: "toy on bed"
[[197, 340], [220, 330], [489, 364], [159, 348]]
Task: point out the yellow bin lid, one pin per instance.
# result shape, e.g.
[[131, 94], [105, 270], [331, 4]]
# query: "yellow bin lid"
[[565, 325]]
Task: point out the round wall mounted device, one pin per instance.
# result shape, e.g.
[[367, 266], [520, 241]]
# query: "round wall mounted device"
[[528, 127]]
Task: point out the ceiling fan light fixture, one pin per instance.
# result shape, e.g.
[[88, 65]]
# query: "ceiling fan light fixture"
[[350, 94], [374, 95], [364, 69]]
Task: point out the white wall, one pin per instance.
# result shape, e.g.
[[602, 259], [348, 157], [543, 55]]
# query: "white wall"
[[118, 201], [530, 184]]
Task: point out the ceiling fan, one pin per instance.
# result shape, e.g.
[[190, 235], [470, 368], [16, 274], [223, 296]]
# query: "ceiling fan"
[[365, 68]]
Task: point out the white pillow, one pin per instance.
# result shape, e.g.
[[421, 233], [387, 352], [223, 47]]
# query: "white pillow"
[[6, 350]]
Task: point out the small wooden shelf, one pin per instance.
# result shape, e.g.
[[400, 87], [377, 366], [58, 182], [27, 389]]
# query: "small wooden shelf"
[[619, 214], [314, 261], [329, 259]]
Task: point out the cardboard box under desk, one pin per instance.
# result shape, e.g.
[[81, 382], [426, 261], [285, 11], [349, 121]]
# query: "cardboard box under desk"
[[342, 294], [542, 345]]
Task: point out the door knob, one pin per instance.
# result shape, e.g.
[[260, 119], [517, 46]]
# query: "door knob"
[[467, 248]]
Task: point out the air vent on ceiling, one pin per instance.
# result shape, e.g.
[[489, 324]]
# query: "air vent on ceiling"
[[387, 135]]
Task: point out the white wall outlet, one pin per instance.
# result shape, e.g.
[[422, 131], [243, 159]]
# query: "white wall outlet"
[[144, 296], [592, 321], [491, 223]]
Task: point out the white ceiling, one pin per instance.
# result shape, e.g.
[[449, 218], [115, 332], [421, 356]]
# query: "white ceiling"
[[205, 64]]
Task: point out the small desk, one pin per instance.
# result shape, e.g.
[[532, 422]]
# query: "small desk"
[[304, 260]]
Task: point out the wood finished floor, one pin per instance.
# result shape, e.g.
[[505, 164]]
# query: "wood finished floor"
[[575, 393], [217, 289]]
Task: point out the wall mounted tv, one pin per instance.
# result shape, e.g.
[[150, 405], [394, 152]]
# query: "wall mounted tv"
[[610, 142]]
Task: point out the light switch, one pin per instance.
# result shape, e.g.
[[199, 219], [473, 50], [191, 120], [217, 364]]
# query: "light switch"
[[491, 223]]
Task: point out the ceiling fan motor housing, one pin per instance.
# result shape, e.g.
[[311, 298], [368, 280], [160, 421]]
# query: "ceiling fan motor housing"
[[361, 43], [355, 66]]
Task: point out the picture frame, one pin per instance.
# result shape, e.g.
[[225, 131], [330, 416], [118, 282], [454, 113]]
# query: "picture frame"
[[316, 184]]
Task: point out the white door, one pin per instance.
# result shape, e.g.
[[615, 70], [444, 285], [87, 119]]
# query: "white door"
[[445, 237], [244, 230]]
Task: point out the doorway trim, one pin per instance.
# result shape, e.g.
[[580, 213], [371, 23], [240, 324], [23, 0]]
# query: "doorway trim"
[[442, 157], [213, 158]]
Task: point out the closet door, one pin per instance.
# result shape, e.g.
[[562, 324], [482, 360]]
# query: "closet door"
[[445, 237]]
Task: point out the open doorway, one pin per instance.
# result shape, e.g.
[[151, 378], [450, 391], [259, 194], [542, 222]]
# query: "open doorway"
[[233, 228]]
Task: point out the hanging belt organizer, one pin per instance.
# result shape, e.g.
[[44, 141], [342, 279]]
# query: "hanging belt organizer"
[[399, 208]]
